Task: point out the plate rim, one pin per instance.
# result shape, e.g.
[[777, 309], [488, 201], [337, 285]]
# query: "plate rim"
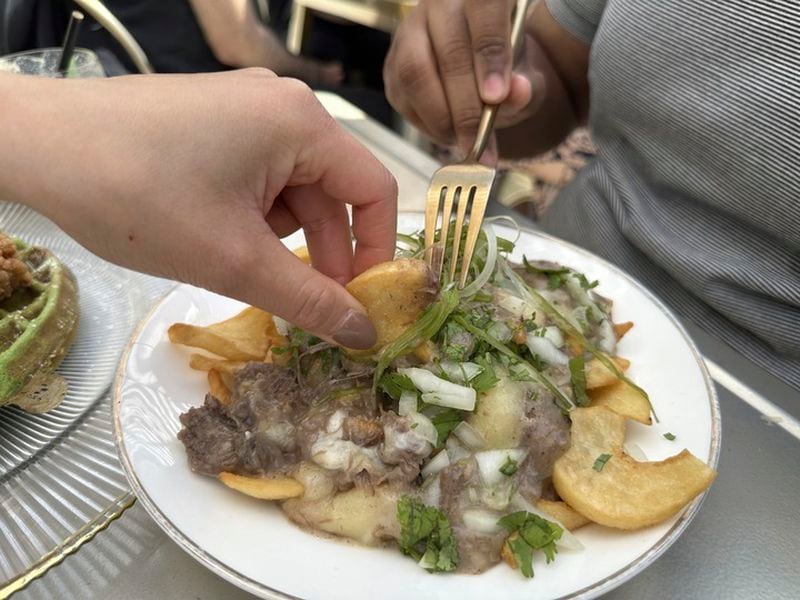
[[593, 590]]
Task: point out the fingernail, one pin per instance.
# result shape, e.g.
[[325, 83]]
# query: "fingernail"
[[493, 88], [356, 331]]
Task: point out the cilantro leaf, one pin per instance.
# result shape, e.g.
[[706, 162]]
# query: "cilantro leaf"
[[600, 462], [523, 555], [534, 532], [577, 377], [509, 467], [585, 282], [445, 422], [670, 436], [487, 378], [394, 384], [426, 535]]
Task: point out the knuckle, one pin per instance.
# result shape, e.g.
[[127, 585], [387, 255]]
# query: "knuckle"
[[491, 47], [315, 306], [455, 57], [411, 73]]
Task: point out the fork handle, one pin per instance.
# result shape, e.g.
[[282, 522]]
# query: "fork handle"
[[490, 110]]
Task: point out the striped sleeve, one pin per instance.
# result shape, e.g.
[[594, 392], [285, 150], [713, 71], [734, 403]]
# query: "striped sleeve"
[[579, 17]]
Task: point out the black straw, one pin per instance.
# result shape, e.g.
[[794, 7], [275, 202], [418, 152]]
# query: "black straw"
[[70, 39]]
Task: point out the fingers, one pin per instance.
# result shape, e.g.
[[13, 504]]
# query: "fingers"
[[282, 284], [327, 229], [412, 80], [450, 37], [347, 173], [489, 27]]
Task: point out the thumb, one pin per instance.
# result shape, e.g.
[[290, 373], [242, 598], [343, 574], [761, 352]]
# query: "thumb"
[[284, 285]]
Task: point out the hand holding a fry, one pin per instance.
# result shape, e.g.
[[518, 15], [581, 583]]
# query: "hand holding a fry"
[[197, 178]]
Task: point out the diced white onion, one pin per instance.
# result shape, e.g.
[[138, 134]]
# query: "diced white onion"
[[516, 306], [407, 404], [546, 350], [458, 371], [635, 452], [282, 325], [481, 521], [488, 268], [554, 334], [455, 449], [431, 491], [436, 464], [607, 338], [423, 427], [575, 289], [491, 461], [440, 392], [568, 539], [469, 436]]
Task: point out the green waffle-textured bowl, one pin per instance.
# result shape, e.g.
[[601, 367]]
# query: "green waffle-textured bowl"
[[37, 327]]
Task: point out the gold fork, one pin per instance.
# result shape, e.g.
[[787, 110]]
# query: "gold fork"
[[468, 182]]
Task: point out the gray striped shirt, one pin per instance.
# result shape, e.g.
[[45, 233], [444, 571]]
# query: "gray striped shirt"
[[695, 111]]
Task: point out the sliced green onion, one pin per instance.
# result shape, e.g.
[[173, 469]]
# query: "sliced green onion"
[[564, 324], [561, 400], [424, 328]]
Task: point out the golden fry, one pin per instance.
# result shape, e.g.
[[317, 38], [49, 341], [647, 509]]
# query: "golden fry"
[[624, 400], [302, 254], [598, 375], [563, 513], [246, 336], [264, 488], [201, 362], [623, 493], [620, 329], [217, 387], [393, 294]]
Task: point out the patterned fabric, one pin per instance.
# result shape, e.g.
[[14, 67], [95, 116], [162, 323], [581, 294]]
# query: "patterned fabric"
[[695, 189]]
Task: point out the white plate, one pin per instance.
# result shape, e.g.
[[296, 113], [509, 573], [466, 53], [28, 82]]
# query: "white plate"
[[251, 543]]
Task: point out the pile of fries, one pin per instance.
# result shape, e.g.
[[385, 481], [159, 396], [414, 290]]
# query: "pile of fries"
[[619, 492]]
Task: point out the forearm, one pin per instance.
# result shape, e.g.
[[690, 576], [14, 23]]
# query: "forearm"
[[239, 40], [562, 64]]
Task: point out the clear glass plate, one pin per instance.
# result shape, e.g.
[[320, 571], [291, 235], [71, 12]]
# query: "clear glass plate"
[[59, 472]]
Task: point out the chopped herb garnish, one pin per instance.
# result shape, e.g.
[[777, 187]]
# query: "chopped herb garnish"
[[509, 467], [426, 535], [445, 422], [534, 532], [561, 400], [487, 378], [530, 325], [482, 297], [670, 436], [413, 426], [577, 377], [280, 349], [600, 462], [504, 245], [571, 331], [394, 384], [585, 282], [554, 281], [424, 328]]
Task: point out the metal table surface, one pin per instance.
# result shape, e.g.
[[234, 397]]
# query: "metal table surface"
[[744, 543]]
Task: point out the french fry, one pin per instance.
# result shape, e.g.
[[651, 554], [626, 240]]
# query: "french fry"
[[264, 488], [624, 400], [246, 336], [302, 254], [393, 294], [217, 387], [598, 375], [620, 491], [201, 362], [620, 329], [563, 513]]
